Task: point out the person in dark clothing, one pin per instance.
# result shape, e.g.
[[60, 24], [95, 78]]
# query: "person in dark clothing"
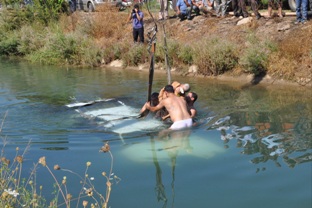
[[239, 8], [190, 98], [137, 22]]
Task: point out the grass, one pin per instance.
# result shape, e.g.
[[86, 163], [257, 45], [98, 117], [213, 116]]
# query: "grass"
[[25, 192], [93, 39]]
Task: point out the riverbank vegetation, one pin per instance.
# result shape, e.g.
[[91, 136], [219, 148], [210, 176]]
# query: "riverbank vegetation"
[[213, 46]]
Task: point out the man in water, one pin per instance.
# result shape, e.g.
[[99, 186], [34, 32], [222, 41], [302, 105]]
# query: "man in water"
[[176, 108], [190, 98]]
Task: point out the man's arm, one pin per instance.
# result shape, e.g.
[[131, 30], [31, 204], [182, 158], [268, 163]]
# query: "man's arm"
[[139, 17], [194, 3], [156, 108], [143, 108], [188, 3], [130, 17], [178, 7], [193, 113]]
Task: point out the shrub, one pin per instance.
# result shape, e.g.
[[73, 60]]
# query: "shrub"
[[115, 51], [214, 56], [71, 48], [30, 39], [175, 57], [173, 48], [255, 58], [185, 54], [48, 10], [137, 54], [15, 19], [9, 44]]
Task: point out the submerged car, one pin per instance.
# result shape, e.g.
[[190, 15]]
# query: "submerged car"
[[84, 5]]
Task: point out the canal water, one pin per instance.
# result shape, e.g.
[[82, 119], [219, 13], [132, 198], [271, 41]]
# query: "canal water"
[[251, 146]]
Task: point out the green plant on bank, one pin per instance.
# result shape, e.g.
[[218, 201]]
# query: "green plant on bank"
[[13, 17], [43, 11], [136, 55], [214, 56], [16, 191], [69, 49], [254, 59], [185, 54], [9, 44], [31, 39], [179, 55]]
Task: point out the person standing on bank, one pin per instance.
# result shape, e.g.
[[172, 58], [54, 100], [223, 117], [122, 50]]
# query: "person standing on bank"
[[301, 11], [137, 22]]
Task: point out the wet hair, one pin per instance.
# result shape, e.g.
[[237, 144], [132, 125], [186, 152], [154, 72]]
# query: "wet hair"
[[154, 95], [154, 98], [194, 95], [169, 88]]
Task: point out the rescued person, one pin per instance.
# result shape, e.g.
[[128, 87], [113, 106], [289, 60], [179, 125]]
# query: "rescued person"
[[179, 89]]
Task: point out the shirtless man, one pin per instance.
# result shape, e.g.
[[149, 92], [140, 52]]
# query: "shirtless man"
[[176, 107]]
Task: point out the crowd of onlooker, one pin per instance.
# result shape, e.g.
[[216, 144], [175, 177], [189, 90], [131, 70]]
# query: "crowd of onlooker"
[[184, 8]]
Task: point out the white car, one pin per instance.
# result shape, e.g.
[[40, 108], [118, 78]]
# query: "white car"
[[84, 5]]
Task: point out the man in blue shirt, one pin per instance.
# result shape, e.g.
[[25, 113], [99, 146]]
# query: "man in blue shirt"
[[137, 22], [184, 9]]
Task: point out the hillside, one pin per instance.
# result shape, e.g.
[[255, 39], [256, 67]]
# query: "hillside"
[[293, 61], [263, 50]]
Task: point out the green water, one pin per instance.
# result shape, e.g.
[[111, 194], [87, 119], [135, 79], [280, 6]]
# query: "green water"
[[251, 148]]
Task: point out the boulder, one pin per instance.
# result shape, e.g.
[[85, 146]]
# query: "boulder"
[[244, 21], [116, 63]]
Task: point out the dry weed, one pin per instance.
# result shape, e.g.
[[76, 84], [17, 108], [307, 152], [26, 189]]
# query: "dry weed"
[[293, 56]]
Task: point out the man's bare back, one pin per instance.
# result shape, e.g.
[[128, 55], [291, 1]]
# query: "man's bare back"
[[176, 106]]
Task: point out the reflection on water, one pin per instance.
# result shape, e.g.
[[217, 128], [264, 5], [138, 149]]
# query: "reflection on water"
[[272, 137], [268, 126], [173, 142]]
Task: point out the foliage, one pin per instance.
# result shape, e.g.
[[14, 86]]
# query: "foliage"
[[214, 56], [178, 53], [16, 191], [255, 58], [9, 44], [115, 51], [185, 54], [14, 19], [70, 49], [31, 39], [43, 11], [93, 39], [137, 54]]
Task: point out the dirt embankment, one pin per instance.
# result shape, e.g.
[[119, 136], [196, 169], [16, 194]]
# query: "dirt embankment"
[[292, 62]]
